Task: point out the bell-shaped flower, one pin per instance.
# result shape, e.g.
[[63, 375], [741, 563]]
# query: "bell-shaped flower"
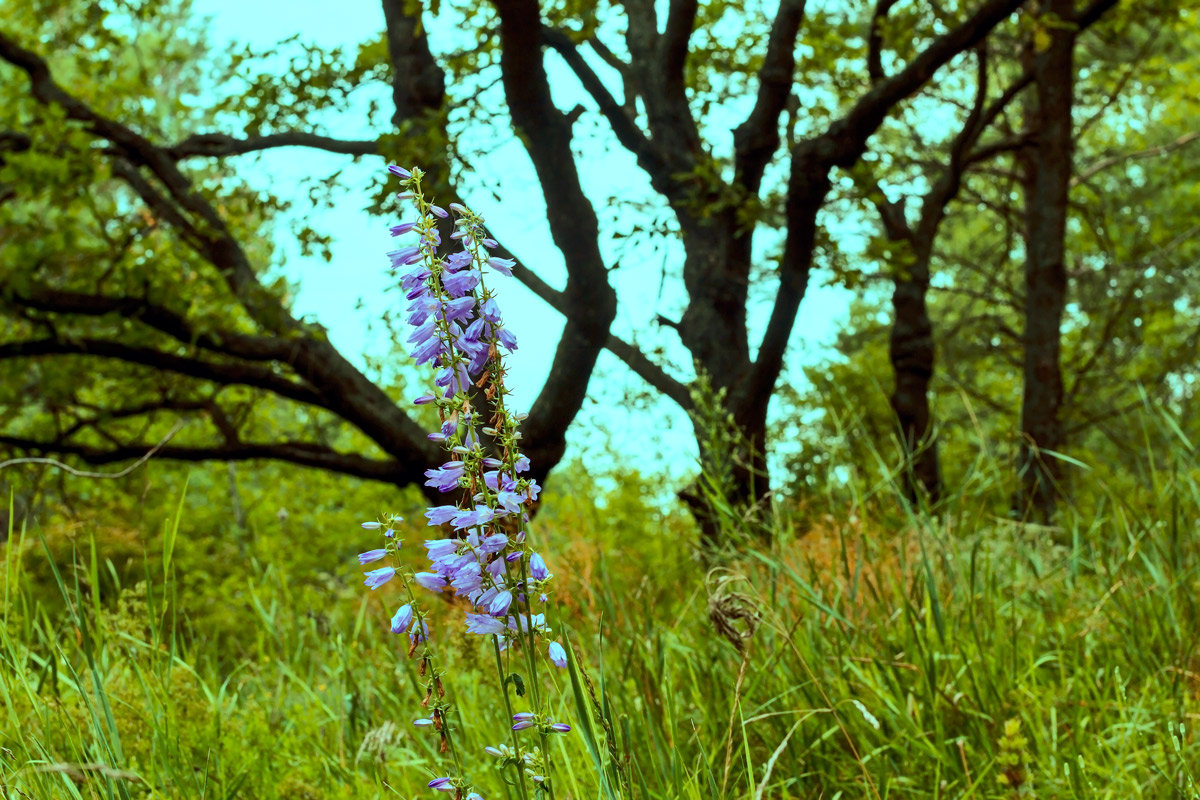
[[537, 567], [484, 625], [558, 655], [371, 555], [378, 577]]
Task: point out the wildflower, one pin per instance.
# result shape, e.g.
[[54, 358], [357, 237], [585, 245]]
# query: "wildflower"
[[441, 784], [484, 625], [537, 568], [399, 171], [439, 515], [499, 606], [440, 548], [430, 580], [471, 519], [523, 720], [502, 265], [558, 656], [372, 526], [419, 632], [378, 577], [424, 722], [402, 619], [371, 555], [559, 727]]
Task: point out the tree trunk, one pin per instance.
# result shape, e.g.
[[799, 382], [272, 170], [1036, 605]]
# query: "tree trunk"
[[1047, 176], [911, 351]]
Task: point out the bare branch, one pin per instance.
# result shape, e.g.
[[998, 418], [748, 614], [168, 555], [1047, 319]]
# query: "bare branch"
[[12, 462], [215, 145], [757, 138], [220, 373], [1084, 175], [622, 124], [305, 454], [875, 40]]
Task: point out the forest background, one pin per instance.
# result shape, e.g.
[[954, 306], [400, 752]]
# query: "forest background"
[[951, 555]]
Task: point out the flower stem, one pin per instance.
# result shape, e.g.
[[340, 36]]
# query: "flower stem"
[[508, 710]]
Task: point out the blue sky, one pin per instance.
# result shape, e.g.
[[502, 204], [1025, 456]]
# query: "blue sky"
[[344, 293]]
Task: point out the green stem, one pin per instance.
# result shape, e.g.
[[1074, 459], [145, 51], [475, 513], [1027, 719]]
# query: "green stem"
[[531, 659], [508, 709]]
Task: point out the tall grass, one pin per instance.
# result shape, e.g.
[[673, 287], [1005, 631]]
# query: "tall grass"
[[870, 651]]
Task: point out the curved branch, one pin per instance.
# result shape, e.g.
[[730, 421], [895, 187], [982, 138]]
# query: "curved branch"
[[622, 124], [160, 318], [590, 301], [306, 454], [223, 374], [756, 139], [215, 145]]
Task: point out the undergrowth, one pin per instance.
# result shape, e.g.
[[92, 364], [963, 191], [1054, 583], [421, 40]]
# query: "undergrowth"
[[869, 651]]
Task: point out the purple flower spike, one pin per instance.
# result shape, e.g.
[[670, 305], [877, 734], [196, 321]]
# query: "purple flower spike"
[[371, 555], [378, 577], [558, 656], [402, 619]]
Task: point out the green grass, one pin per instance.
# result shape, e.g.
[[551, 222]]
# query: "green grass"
[[884, 655]]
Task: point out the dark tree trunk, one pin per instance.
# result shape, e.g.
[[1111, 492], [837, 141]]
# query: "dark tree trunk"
[[911, 350], [1047, 177]]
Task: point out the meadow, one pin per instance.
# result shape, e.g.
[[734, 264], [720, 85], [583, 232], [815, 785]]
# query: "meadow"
[[870, 650]]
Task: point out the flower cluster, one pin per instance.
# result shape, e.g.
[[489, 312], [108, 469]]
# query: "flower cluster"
[[482, 554]]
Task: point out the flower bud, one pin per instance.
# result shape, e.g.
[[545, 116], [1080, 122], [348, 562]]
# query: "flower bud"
[[558, 655]]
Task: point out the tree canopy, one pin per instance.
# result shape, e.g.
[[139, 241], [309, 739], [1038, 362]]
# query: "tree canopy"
[[140, 284]]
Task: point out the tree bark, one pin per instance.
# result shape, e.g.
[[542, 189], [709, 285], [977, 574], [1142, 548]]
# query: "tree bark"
[[1047, 177], [911, 351]]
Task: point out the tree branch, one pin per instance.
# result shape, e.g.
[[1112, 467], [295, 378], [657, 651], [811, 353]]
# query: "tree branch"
[[627, 133], [875, 41], [223, 374], [757, 138], [1084, 175], [215, 145], [12, 462], [590, 301], [306, 454]]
